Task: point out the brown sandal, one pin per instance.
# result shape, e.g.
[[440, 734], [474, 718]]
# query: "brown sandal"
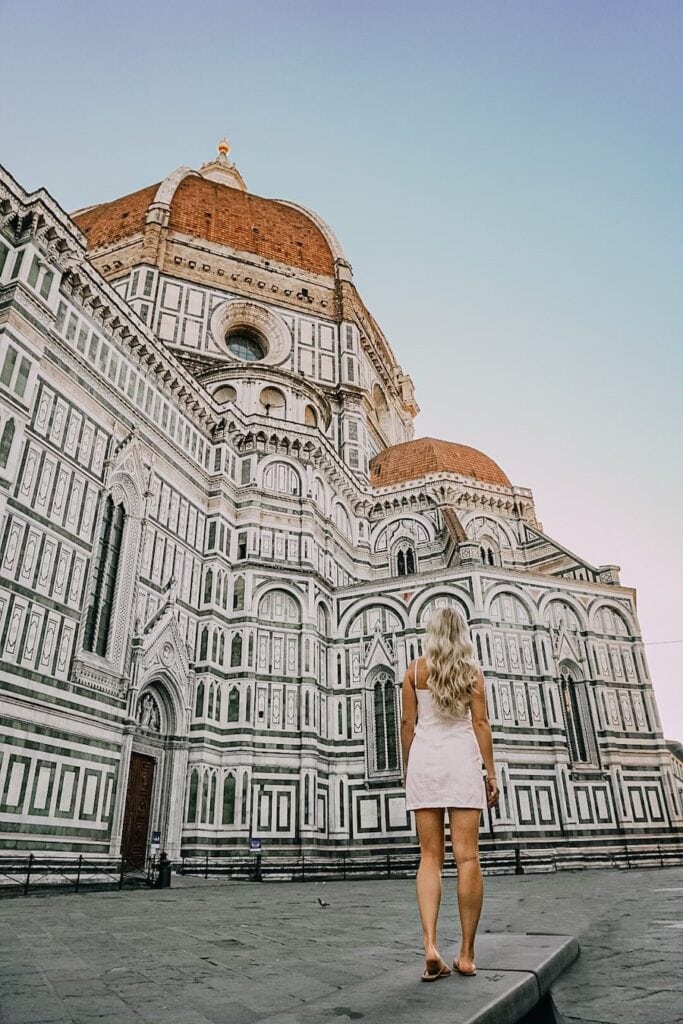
[[442, 972]]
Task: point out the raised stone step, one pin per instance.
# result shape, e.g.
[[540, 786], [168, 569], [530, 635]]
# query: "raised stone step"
[[514, 973]]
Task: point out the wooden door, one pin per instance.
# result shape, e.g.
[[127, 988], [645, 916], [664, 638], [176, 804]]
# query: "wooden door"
[[138, 806]]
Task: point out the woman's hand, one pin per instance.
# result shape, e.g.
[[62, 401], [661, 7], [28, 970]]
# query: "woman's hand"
[[492, 792]]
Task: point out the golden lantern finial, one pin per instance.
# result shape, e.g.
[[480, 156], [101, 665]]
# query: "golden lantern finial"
[[224, 146]]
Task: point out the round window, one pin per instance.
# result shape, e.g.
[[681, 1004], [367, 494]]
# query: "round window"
[[246, 344]]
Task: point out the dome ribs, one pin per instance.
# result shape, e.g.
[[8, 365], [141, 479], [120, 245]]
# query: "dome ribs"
[[415, 459]]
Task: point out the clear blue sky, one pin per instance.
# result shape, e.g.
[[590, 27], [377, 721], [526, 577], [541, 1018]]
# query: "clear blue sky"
[[504, 177]]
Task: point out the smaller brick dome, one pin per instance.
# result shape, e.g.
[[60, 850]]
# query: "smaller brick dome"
[[415, 459]]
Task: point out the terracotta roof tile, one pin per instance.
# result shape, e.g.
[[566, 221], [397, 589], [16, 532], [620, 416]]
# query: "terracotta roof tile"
[[415, 459], [122, 218], [217, 213]]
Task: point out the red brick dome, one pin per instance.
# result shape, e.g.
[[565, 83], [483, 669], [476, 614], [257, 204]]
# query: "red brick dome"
[[218, 213], [415, 459]]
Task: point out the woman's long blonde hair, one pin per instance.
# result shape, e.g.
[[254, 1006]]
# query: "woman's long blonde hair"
[[451, 669]]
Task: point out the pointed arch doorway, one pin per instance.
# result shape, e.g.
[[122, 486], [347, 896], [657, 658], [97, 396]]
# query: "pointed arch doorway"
[[157, 766]]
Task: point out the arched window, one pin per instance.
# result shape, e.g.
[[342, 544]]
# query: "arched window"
[[385, 723], [247, 712], [217, 709], [279, 606], [340, 719], [281, 478], [238, 594], [245, 797], [204, 814], [212, 802], [307, 799], [234, 705], [214, 646], [228, 817], [579, 725], [342, 807], [380, 728], [103, 579], [236, 650], [192, 798], [6, 441], [342, 520], [307, 708], [405, 560], [221, 647], [209, 709], [208, 586], [310, 416], [199, 701], [204, 644]]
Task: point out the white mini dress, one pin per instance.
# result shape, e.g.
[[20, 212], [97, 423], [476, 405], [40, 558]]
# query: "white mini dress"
[[444, 762]]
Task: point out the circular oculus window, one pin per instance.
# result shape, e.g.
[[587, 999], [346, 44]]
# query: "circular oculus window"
[[246, 344]]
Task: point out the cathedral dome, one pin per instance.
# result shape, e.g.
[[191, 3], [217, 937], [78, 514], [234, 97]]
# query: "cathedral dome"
[[415, 459], [213, 204]]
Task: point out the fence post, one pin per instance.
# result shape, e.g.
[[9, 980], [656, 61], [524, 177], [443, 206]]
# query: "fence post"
[[78, 871], [344, 865], [121, 874], [388, 865], [519, 870], [303, 867], [206, 865], [28, 874], [661, 856]]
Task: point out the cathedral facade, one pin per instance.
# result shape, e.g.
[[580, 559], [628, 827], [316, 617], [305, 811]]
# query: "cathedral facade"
[[221, 542]]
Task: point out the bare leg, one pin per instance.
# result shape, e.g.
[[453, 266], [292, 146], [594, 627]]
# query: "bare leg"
[[430, 830], [465, 840]]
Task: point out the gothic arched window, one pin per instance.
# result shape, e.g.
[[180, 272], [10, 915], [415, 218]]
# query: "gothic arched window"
[[228, 817], [199, 702], [238, 594], [103, 579], [405, 560], [204, 644], [578, 720], [234, 705], [307, 799], [208, 586], [192, 799], [383, 703], [236, 650]]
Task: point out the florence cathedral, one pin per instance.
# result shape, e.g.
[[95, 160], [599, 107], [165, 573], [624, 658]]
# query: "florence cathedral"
[[221, 542]]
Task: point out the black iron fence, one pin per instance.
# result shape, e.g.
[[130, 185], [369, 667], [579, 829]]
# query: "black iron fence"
[[20, 876], [33, 874], [517, 860]]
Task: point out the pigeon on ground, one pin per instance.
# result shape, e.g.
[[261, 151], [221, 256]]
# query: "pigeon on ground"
[[323, 903]]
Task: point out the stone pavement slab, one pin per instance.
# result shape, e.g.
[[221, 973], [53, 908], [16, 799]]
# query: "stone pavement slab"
[[495, 996], [211, 952]]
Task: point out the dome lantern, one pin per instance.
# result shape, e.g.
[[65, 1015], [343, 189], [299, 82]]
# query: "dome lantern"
[[223, 170]]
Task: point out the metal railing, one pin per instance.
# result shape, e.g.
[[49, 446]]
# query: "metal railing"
[[517, 860], [34, 874], [20, 876]]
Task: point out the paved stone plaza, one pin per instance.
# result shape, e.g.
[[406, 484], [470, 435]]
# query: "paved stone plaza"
[[235, 953]]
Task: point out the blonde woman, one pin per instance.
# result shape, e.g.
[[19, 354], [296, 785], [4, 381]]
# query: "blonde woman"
[[445, 737]]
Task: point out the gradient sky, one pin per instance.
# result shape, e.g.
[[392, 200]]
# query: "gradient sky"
[[504, 177]]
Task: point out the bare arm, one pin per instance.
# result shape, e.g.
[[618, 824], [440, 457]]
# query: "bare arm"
[[482, 730], [408, 715]]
